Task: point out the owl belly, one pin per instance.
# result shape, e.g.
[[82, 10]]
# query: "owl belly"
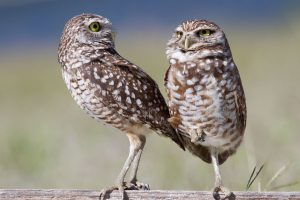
[[84, 95], [205, 116]]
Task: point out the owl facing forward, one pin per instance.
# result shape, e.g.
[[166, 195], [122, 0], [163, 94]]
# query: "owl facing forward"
[[206, 98], [111, 89]]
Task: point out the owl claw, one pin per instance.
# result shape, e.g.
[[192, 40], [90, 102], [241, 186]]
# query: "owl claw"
[[104, 194], [221, 193], [138, 186]]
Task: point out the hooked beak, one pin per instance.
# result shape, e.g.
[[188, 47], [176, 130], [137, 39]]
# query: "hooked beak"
[[188, 42]]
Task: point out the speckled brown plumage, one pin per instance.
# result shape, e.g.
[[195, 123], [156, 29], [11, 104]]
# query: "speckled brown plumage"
[[206, 97], [111, 89]]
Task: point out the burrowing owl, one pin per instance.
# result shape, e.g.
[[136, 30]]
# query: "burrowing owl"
[[111, 89], [206, 97]]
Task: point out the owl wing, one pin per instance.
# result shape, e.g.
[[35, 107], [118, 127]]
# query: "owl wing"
[[175, 119], [128, 90], [154, 107], [240, 102], [166, 79]]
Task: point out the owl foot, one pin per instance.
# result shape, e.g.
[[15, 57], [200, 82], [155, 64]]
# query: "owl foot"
[[221, 193], [138, 186], [104, 194]]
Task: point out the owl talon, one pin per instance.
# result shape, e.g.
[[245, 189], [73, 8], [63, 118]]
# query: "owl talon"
[[138, 186], [220, 193], [105, 192]]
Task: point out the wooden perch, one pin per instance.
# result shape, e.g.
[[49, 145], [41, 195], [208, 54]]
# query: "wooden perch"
[[57, 194]]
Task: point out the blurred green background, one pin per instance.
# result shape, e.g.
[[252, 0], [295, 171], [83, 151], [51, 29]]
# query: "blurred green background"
[[46, 141]]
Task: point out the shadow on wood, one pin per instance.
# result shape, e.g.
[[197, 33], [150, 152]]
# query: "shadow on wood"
[[57, 194]]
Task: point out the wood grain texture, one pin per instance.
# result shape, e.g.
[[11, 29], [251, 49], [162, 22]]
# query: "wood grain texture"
[[57, 194]]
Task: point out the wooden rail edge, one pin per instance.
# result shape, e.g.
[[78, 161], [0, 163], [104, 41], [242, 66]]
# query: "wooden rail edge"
[[58, 194]]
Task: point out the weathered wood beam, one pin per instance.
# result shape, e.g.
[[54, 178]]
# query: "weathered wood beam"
[[58, 194]]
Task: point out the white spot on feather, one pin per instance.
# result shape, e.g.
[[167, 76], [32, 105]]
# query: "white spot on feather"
[[189, 91], [81, 82], [128, 100], [76, 65], [96, 75], [127, 90], [190, 82], [171, 86], [173, 61], [183, 57], [132, 95], [138, 101]]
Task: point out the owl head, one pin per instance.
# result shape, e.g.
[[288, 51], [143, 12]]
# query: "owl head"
[[89, 29], [84, 35], [196, 35]]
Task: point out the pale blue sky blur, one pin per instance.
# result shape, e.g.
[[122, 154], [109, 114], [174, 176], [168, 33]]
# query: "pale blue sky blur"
[[41, 21]]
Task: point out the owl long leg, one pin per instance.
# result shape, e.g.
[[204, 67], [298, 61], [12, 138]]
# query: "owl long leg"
[[215, 162], [219, 188], [133, 176], [136, 144], [135, 165]]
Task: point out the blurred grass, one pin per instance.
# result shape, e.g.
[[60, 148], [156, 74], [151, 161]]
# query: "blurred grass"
[[46, 141]]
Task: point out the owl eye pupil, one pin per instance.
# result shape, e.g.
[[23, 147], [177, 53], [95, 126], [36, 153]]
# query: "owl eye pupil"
[[205, 32], [95, 27], [179, 34]]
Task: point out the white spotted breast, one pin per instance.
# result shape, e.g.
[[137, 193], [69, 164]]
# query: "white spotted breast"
[[202, 99]]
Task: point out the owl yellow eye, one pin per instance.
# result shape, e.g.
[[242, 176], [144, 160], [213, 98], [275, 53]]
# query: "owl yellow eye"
[[205, 32], [179, 34], [95, 26]]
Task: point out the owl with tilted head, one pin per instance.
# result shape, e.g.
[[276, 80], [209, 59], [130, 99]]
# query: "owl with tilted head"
[[205, 94], [112, 90]]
